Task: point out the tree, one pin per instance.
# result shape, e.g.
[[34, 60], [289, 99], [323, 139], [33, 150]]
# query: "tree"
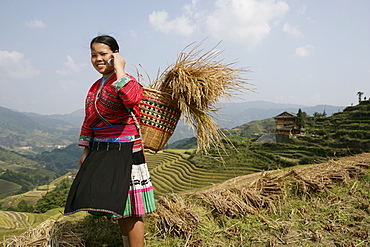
[[55, 198], [359, 93], [300, 119], [24, 207]]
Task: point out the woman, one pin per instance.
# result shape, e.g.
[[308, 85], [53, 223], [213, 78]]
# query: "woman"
[[113, 179]]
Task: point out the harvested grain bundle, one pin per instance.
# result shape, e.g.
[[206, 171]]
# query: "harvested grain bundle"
[[176, 217], [226, 202], [254, 199], [65, 234], [34, 237], [198, 82]]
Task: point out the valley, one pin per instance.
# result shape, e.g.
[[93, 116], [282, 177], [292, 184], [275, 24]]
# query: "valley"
[[186, 176]]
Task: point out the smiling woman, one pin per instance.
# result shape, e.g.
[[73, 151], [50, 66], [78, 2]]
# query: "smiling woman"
[[113, 179]]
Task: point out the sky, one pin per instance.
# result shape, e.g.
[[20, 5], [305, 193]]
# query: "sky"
[[301, 52]]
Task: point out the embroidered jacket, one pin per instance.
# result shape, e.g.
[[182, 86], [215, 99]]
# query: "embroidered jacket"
[[106, 105]]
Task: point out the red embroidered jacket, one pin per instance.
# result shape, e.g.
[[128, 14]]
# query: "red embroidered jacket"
[[111, 101]]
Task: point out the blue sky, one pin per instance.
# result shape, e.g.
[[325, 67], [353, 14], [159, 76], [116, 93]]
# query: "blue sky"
[[302, 52]]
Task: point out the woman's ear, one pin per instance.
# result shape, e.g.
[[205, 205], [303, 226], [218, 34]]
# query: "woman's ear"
[[116, 51]]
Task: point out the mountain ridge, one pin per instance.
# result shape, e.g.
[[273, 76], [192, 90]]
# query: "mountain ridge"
[[18, 130]]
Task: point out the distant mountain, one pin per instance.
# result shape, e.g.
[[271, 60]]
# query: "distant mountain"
[[30, 133], [16, 121], [73, 119], [236, 114], [231, 114], [33, 133]]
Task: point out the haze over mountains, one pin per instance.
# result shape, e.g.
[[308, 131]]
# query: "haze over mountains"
[[62, 129], [231, 114]]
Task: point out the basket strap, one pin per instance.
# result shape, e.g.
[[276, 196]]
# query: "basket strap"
[[137, 124], [102, 118], [96, 107]]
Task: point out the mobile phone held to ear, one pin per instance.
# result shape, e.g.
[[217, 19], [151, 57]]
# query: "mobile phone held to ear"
[[110, 62]]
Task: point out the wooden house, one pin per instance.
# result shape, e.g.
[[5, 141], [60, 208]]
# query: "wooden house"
[[286, 123]]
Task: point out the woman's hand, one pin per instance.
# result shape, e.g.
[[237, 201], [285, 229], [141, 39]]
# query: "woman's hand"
[[83, 156], [119, 65]]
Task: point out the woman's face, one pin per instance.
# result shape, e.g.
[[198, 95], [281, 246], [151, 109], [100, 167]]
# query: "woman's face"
[[100, 54]]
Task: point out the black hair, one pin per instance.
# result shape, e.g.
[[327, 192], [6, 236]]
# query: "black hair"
[[107, 40]]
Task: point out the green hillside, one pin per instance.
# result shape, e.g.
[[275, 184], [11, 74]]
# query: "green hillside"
[[61, 160], [349, 129], [176, 171], [31, 135], [19, 174], [8, 188], [15, 161], [254, 129], [342, 134]]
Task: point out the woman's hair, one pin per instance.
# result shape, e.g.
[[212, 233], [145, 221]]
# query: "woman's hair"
[[107, 40]]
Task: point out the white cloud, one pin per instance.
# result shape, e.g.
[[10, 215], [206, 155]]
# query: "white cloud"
[[246, 22], [69, 66], [161, 22], [35, 24], [191, 9], [304, 51], [15, 65], [295, 31]]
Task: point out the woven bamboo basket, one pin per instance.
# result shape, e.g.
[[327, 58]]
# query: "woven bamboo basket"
[[158, 119]]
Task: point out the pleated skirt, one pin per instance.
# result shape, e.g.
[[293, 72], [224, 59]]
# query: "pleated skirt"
[[113, 181]]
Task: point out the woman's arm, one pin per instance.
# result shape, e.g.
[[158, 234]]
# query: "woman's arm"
[[83, 156]]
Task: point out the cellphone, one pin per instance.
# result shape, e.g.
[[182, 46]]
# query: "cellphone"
[[110, 62]]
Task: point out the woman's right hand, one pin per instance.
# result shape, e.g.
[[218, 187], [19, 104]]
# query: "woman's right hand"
[[83, 156], [119, 65]]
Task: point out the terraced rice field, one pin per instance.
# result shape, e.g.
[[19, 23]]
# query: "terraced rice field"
[[171, 172], [14, 223], [10, 220]]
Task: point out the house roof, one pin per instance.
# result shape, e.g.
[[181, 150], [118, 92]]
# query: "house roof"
[[286, 114]]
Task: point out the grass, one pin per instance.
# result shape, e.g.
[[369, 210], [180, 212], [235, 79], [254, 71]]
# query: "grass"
[[338, 216], [303, 214], [8, 188]]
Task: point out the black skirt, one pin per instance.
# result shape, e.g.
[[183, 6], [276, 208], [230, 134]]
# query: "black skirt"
[[102, 183]]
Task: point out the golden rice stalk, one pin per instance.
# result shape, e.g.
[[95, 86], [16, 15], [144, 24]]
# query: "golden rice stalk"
[[34, 237], [198, 82], [225, 202], [63, 234], [176, 217]]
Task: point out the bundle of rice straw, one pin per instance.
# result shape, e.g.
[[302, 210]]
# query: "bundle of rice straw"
[[198, 82]]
